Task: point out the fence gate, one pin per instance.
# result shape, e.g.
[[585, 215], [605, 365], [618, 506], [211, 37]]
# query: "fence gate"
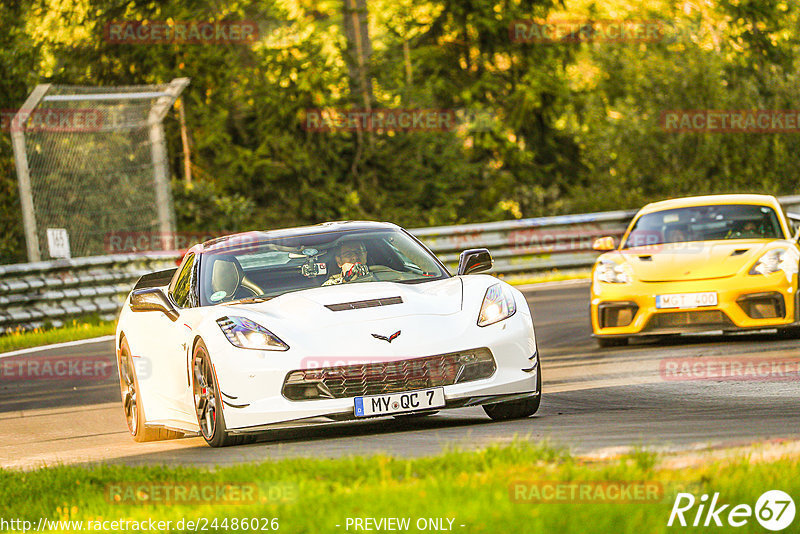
[[92, 161]]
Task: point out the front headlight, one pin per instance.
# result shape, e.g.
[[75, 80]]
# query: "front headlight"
[[775, 260], [498, 304], [612, 272], [247, 334]]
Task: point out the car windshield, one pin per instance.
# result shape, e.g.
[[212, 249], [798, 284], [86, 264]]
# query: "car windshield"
[[262, 268], [705, 223]]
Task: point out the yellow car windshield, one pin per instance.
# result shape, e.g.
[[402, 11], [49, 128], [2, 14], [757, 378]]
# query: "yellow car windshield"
[[705, 223]]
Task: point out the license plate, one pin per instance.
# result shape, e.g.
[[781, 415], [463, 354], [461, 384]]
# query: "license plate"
[[686, 300], [410, 401]]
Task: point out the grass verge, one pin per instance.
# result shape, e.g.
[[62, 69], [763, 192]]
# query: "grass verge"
[[479, 490], [76, 329]]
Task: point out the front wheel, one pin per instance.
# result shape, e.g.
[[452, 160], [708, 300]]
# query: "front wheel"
[[516, 409], [207, 401]]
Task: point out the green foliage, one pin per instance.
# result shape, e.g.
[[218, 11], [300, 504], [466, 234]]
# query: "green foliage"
[[577, 124], [634, 160], [17, 54], [204, 207]]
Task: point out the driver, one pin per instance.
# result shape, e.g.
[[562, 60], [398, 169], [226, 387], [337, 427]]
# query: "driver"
[[750, 230], [351, 258], [747, 230]]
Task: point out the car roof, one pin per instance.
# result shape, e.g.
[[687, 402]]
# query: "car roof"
[[711, 200], [316, 229]]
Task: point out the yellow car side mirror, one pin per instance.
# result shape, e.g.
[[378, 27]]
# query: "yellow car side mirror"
[[604, 243]]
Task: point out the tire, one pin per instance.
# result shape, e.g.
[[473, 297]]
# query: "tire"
[[516, 409], [131, 401], [207, 402], [791, 332], [606, 342]]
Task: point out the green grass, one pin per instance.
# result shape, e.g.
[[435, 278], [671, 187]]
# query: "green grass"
[[77, 329], [472, 487]]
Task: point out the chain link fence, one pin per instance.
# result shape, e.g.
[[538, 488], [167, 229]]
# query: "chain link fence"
[[91, 161]]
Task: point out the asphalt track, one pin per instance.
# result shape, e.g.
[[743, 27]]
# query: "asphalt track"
[[596, 402]]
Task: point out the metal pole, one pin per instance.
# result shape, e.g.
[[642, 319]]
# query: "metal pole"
[[158, 150], [23, 171]]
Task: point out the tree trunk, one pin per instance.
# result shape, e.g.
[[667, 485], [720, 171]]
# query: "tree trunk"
[[357, 57], [359, 51]]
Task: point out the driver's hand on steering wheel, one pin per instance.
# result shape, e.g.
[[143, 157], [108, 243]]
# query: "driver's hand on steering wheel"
[[351, 271]]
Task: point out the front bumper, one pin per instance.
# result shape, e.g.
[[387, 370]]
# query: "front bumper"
[[744, 302], [253, 391]]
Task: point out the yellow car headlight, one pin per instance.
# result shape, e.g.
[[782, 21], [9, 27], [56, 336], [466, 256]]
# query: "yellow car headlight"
[[612, 272], [775, 260]]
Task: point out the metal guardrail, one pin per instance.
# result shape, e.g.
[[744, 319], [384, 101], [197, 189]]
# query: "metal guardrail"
[[32, 294], [529, 245]]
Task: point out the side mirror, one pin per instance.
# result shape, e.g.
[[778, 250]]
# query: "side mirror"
[[474, 260], [153, 299], [604, 243]]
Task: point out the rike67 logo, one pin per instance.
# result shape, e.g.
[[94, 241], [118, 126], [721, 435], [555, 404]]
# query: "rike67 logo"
[[774, 510]]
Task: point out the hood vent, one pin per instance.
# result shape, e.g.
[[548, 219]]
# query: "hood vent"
[[646, 258], [359, 304], [739, 251]]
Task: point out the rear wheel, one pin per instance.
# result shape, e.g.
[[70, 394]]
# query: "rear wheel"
[[606, 342], [516, 409], [132, 401], [207, 402]]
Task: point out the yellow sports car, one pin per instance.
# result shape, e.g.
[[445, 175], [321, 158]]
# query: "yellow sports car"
[[722, 262]]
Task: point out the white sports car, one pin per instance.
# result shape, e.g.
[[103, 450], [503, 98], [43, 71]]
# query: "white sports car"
[[338, 321]]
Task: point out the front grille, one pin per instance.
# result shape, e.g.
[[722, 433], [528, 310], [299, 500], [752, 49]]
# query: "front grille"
[[359, 304], [695, 319], [379, 378]]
